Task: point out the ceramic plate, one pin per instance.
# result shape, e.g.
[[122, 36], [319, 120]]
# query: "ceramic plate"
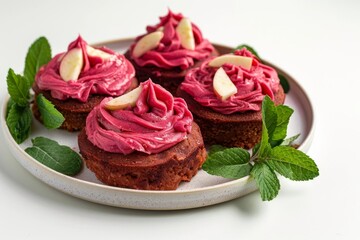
[[202, 190]]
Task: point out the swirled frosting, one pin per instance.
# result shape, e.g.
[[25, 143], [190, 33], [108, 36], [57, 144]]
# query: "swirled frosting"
[[170, 54], [110, 77], [157, 122], [252, 85]]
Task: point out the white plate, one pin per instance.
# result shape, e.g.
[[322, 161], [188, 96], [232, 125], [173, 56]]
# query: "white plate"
[[202, 190]]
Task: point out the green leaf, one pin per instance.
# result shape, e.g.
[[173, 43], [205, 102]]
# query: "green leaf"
[[38, 54], [283, 117], [290, 140], [8, 106], [266, 180], [284, 83], [276, 119], [50, 116], [18, 121], [269, 116], [215, 148], [251, 49], [255, 149], [18, 88], [292, 163], [228, 163], [57, 157], [264, 148]]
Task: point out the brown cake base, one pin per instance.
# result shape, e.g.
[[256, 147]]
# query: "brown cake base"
[[170, 79], [161, 171], [74, 112], [233, 130]]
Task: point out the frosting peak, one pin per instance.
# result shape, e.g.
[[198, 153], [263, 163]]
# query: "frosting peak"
[[157, 122], [90, 60], [169, 53], [252, 85], [103, 72]]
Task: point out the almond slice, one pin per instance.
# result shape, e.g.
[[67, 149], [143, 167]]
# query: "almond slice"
[[223, 86], [148, 42], [185, 33], [71, 65], [244, 62], [127, 100]]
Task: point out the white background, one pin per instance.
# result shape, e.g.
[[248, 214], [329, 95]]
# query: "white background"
[[317, 42]]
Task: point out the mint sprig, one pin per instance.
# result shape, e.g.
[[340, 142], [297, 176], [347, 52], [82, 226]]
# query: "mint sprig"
[[55, 156], [19, 117], [18, 113], [272, 155]]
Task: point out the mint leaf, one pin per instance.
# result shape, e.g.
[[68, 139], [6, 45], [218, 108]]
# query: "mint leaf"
[[276, 119], [255, 149], [215, 148], [266, 180], [283, 117], [269, 116], [228, 163], [251, 49], [50, 116], [57, 157], [18, 88], [290, 140], [18, 121], [264, 148], [8, 106], [284, 83], [38, 54], [292, 163]]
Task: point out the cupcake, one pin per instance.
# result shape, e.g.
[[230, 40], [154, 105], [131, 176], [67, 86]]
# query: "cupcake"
[[225, 96], [168, 50], [145, 139], [79, 79]]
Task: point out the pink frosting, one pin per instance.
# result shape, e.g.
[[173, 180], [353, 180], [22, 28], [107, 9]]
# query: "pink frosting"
[[157, 122], [107, 77], [252, 85], [170, 53]]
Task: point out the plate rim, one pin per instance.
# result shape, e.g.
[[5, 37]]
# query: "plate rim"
[[16, 150]]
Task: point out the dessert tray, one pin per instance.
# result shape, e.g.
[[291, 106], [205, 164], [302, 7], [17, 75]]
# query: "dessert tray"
[[202, 190]]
